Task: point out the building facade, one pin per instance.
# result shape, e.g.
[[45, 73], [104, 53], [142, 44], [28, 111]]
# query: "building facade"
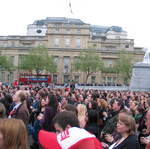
[[66, 38]]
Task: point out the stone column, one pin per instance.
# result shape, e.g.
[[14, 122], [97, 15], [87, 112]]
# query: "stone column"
[[71, 67], [60, 69]]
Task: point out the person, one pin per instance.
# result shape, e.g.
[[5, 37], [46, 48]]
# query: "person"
[[20, 110], [69, 136], [127, 128], [103, 111], [109, 133], [80, 99], [82, 114], [50, 112], [70, 107], [116, 106], [144, 135], [92, 123], [13, 134], [144, 139], [2, 111], [36, 126], [7, 102]]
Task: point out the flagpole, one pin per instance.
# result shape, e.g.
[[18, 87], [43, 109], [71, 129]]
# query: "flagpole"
[[70, 10]]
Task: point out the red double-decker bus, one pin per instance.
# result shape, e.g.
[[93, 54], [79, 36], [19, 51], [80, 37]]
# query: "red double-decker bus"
[[34, 78]]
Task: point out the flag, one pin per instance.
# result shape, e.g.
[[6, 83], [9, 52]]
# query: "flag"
[[70, 7]]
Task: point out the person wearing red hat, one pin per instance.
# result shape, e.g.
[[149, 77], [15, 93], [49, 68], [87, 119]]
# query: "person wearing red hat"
[[69, 135]]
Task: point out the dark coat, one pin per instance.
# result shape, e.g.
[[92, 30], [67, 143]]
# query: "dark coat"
[[111, 123], [94, 129], [131, 142]]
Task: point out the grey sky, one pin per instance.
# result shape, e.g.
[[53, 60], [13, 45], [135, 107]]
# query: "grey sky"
[[132, 15]]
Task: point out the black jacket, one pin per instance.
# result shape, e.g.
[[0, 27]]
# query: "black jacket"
[[131, 142]]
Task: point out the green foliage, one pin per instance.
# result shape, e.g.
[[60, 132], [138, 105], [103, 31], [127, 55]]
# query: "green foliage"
[[88, 62], [124, 65], [5, 63], [38, 60]]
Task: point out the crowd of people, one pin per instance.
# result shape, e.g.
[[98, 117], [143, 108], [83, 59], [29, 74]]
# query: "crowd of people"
[[40, 117]]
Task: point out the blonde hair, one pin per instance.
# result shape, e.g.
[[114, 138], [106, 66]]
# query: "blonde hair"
[[129, 121], [14, 134], [22, 95], [27, 93], [82, 110], [82, 114]]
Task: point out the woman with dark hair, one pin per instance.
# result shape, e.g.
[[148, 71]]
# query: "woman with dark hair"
[[50, 112], [92, 124], [7, 101], [92, 105]]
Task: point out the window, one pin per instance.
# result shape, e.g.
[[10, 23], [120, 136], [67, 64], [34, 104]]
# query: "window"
[[12, 43], [2, 76], [127, 46], [68, 30], [94, 45], [76, 58], [56, 59], [66, 64], [109, 79], [56, 29], [56, 42], [78, 31], [114, 79], [78, 43], [41, 44], [76, 78], [55, 79], [104, 79], [39, 31], [66, 78], [67, 42], [110, 47], [108, 63], [21, 59], [93, 79], [5, 44], [12, 58], [117, 37], [8, 77]]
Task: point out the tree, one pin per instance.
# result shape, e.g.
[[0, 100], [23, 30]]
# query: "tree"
[[5, 63], [38, 60], [88, 62], [124, 65]]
